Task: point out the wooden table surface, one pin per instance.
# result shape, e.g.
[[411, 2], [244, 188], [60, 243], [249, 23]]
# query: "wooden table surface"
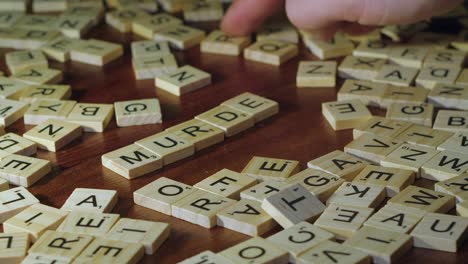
[[298, 132]]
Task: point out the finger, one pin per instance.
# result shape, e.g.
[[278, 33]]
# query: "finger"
[[355, 29], [244, 16]]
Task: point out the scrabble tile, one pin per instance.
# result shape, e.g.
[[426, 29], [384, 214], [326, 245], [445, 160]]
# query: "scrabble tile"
[[337, 46], [255, 250], [392, 179], [13, 201], [409, 157], [103, 250], [59, 48], [292, 205], [91, 200], [449, 96], [150, 234], [369, 93], [395, 219], [373, 49], [262, 190], [440, 232], [358, 194], [74, 26], [429, 77], [18, 61], [3, 185], [14, 144], [456, 143], [53, 135], [39, 6], [184, 80], [462, 209], [63, 246], [149, 48], [121, 19], [408, 56], [319, 183], [35, 220], [168, 146], [372, 148], [95, 52], [23, 171], [329, 252], [450, 120], [93, 11], [278, 30], [13, 247], [45, 92], [361, 68], [343, 220], [400, 32], [345, 114], [11, 88], [445, 165], [198, 133], [131, 161], [382, 127], [455, 186], [339, 164], [147, 5], [445, 58], [154, 66], [420, 114], [34, 38], [138, 112], [396, 75], [462, 78], [247, 217], [271, 52], [161, 194], [422, 199], [39, 76], [11, 111], [384, 246], [35, 259], [42, 110], [88, 223], [259, 107], [431, 40], [148, 26], [264, 168], [299, 239], [9, 18], [36, 21], [203, 10], [92, 117], [401, 94], [228, 119], [219, 43], [373, 35], [424, 136], [180, 37], [206, 256], [226, 183], [200, 208], [316, 74]]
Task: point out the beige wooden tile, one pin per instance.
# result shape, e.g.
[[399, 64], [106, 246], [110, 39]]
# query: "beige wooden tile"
[[35, 220], [358, 194], [18, 61], [88, 223], [462, 208], [147, 5], [59, 48], [449, 120], [95, 12], [45, 92], [392, 179], [262, 190], [219, 43], [299, 239], [361, 68], [396, 75], [203, 10], [445, 58], [180, 37], [373, 49], [33, 38], [92, 117], [381, 126], [226, 183], [44, 6], [206, 256], [161, 194], [316, 74], [23, 171], [11, 88], [11, 111], [42, 110], [369, 93], [420, 114], [154, 66], [14, 144], [74, 26], [13, 247], [435, 41], [408, 56], [456, 143], [96, 52], [429, 77], [330, 252], [462, 78], [319, 183], [394, 218], [373, 35], [14, 5], [184, 80], [228, 119], [400, 32], [39, 76], [247, 217], [271, 52], [8, 18], [449, 96], [422, 199], [337, 46], [292, 205], [148, 26], [424, 136], [384, 246], [445, 165], [35, 259], [150, 234], [4, 185], [13, 201], [259, 107], [345, 114], [122, 19], [36, 21], [278, 30], [138, 112], [132, 161], [91, 200], [338, 164], [372, 148], [254, 251], [264, 168], [149, 48], [198, 133], [102, 250], [440, 232], [53, 135], [200, 208], [456, 186]]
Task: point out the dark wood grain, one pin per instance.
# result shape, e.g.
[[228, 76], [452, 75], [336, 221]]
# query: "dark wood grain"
[[298, 132]]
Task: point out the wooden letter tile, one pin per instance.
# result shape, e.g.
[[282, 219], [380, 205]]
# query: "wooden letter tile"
[[11, 111], [429, 77], [337, 46], [23, 171], [360, 68], [59, 48], [271, 52], [329, 252], [91, 200], [259, 107], [203, 10], [88, 223], [422, 199], [264, 168], [394, 180], [358, 194], [147, 26], [226, 183], [38, 76], [420, 114], [338, 164], [228, 119], [445, 165], [403, 94], [319, 183], [345, 114], [11, 88], [255, 250], [445, 58], [424, 136], [198, 133], [408, 56], [462, 209], [278, 30], [449, 96], [14, 144], [23, 60], [262, 190], [316, 74], [456, 143], [372, 148], [102, 250], [13, 201], [138, 112], [450, 120], [180, 37], [4, 185], [43, 92], [369, 93], [456, 186], [92, 117], [206, 256], [154, 66], [149, 48], [13, 247], [219, 43], [184, 80], [53, 135], [381, 126], [42, 110], [395, 218], [96, 52], [396, 75], [373, 49]]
